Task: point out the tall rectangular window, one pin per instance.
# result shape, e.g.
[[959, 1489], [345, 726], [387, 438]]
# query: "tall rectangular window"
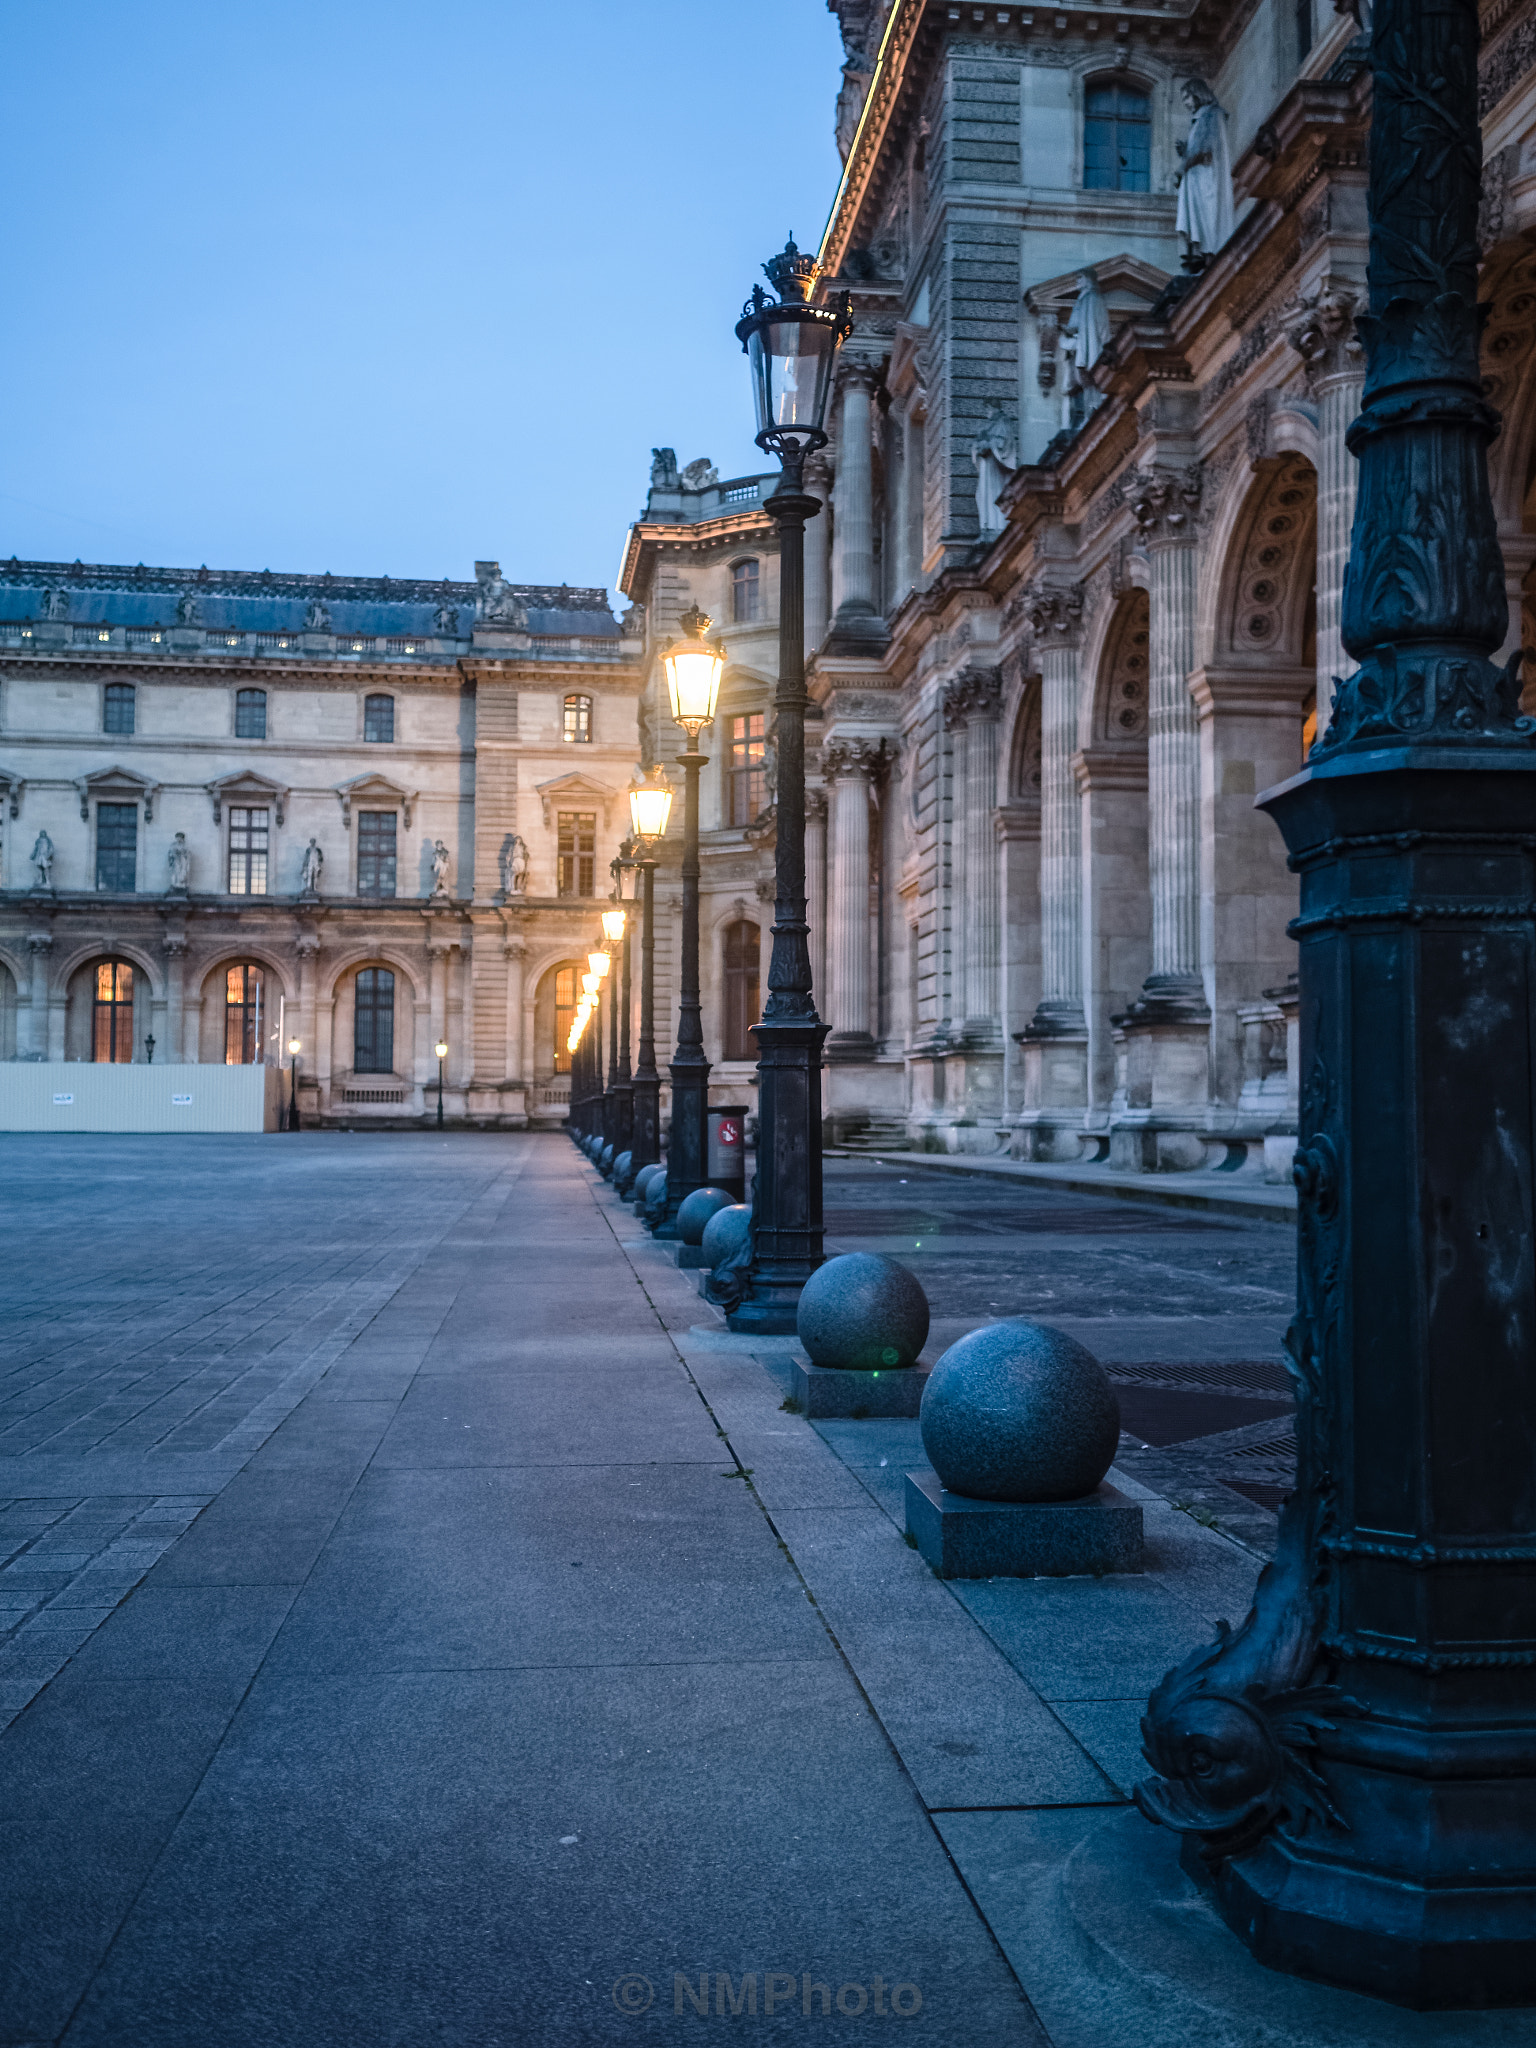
[[1117, 140], [112, 1013], [578, 852], [247, 852], [117, 834], [373, 1034], [748, 768], [244, 988], [741, 953], [576, 721], [117, 709], [379, 719], [250, 714], [375, 853], [743, 592], [565, 1012]]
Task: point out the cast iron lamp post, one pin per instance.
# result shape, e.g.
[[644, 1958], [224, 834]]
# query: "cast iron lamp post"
[[149, 1048], [693, 666], [650, 808], [791, 347], [1355, 1767], [616, 934], [599, 962], [441, 1049], [293, 1084]]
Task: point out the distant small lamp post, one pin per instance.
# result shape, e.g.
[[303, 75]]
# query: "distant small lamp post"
[[149, 1048], [791, 348], [618, 1098], [650, 809], [693, 666], [597, 1112], [441, 1049], [293, 1084]]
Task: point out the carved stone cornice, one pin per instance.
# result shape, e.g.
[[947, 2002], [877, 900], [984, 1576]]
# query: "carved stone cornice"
[[1164, 502], [1055, 612], [975, 696], [1320, 326]]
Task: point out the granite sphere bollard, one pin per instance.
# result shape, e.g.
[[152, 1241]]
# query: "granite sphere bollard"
[[656, 1200], [605, 1164], [1017, 1411], [623, 1167], [862, 1313], [725, 1233], [695, 1210], [642, 1183]]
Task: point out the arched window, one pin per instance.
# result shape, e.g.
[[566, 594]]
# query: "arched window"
[[373, 1029], [245, 1012], [112, 1019], [1117, 139], [576, 722], [740, 945], [565, 1016], [379, 719], [743, 591]]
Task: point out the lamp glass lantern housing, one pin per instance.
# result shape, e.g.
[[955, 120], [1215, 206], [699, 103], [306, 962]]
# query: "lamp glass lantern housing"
[[613, 926], [589, 987], [694, 666], [650, 805], [441, 1048], [599, 963], [293, 1048], [791, 346]]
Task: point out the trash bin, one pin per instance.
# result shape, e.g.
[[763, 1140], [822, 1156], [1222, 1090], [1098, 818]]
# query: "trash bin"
[[726, 1153]]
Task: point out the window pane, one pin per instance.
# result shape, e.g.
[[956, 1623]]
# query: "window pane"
[[373, 1035], [244, 990], [577, 722], [379, 720], [577, 845], [376, 853], [247, 852], [565, 1012], [744, 591], [117, 713], [740, 947], [748, 780], [250, 714], [117, 828], [112, 1015]]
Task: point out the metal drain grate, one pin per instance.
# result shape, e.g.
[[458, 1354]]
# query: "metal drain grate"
[[1246, 1376]]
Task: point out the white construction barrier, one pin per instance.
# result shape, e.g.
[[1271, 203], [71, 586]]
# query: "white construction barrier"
[[39, 1095]]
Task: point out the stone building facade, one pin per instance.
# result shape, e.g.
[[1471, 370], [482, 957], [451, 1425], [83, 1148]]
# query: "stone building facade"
[[236, 808], [1075, 598]]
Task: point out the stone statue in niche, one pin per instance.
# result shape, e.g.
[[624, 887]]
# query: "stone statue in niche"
[[317, 619], [1090, 321], [700, 476], [309, 869], [186, 609], [445, 621], [514, 865], [442, 863], [42, 860], [663, 469], [55, 604], [995, 452], [1205, 183], [178, 860]]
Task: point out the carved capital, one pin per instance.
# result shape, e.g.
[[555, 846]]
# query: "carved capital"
[[816, 806], [1164, 501], [851, 760], [39, 942], [975, 695], [307, 945], [173, 948], [1320, 326], [1055, 612]]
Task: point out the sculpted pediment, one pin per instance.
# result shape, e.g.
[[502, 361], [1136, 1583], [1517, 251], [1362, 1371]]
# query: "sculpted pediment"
[[246, 787], [117, 785], [374, 789], [572, 789]]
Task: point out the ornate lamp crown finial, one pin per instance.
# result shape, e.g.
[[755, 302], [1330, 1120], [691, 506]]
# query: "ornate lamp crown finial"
[[792, 275], [695, 623]]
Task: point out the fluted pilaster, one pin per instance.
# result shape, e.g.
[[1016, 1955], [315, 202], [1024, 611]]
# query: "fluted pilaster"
[[1321, 328], [1056, 616], [818, 555], [853, 540], [1165, 507], [849, 764], [972, 707], [816, 887]]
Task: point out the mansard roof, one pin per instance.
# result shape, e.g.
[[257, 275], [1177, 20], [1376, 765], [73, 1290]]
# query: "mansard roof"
[[264, 601]]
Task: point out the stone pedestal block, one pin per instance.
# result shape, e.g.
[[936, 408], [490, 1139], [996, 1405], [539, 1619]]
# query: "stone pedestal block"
[[688, 1257], [996, 1539], [827, 1393]]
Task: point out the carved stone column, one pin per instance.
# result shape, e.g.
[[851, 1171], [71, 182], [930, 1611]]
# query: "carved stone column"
[[307, 946], [816, 887], [40, 946], [972, 706], [1057, 618], [853, 502], [1321, 328], [818, 555], [850, 764], [1165, 509], [174, 946], [514, 950]]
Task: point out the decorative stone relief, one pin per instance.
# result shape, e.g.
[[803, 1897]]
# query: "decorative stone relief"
[[1270, 563], [1056, 612], [1320, 326], [1165, 501], [1123, 715]]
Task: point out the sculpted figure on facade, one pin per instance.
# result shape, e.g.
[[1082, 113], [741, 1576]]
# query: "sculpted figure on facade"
[[309, 869], [995, 452], [55, 604], [178, 861], [317, 617], [857, 73], [514, 865], [1088, 332], [700, 476], [1205, 185], [446, 621], [442, 865], [1320, 326], [663, 469], [42, 860], [497, 600]]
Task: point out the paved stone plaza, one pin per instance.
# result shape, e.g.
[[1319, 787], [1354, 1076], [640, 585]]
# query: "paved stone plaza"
[[425, 1624]]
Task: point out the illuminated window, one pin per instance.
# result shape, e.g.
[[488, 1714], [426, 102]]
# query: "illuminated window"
[[578, 852], [250, 714], [565, 1016], [743, 591], [244, 1009], [379, 721], [117, 833], [748, 768], [117, 711], [576, 721], [247, 852], [740, 957], [112, 1018], [1117, 140], [376, 852], [1309, 724], [373, 1030]]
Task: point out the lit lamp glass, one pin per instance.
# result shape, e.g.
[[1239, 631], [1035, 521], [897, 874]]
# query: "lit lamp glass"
[[694, 666], [613, 926], [293, 1048], [589, 988], [791, 346], [441, 1048], [599, 963], [650, 805]]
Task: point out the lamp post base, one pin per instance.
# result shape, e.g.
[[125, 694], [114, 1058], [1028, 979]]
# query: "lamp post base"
[[786, 1195]]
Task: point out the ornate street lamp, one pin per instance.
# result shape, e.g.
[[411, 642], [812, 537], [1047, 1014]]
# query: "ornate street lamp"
[[650, 809], [599, 963], [617, 1098], [293, 1084], [1355, 1766], [693, 667], [441, 1049], [791, 347]]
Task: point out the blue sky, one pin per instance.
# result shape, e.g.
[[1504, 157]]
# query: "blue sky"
[[380, 289]]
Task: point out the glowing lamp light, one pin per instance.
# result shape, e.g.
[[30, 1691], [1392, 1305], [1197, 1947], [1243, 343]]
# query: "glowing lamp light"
[[694, 666], [293, 1048], [599, 963], [650, 805], [613, 926], [441, 1048], [589, 987]]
